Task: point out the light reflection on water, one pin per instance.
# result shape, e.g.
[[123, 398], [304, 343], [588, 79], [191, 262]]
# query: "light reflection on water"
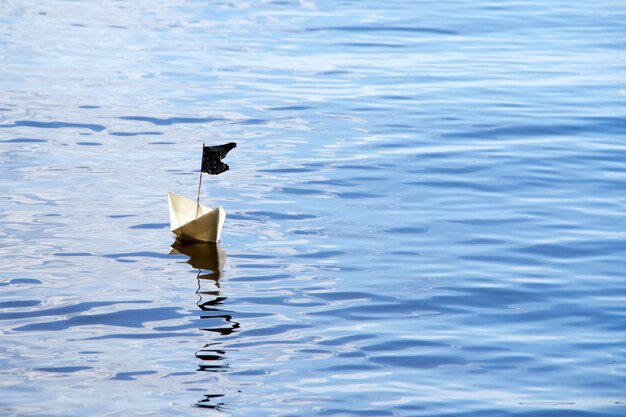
[[424, 208]]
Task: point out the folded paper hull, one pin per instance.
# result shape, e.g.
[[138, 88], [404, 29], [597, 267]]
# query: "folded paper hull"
[[206, 227]]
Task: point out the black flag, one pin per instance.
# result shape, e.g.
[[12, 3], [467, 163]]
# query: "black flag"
[[212, 158]]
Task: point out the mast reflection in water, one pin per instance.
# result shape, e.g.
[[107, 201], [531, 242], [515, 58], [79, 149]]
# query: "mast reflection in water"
[[209, 259]]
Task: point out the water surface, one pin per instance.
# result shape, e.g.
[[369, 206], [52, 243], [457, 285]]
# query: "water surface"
[[425, 208]]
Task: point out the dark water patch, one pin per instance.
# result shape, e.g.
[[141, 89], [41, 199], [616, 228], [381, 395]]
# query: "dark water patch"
[[608, 126], [356, 195], [419, 361], [402, 345], [373, 28], [290, 108], [609, 156], [334, 72], [120, 216], [458, 184], [395, 145], [333, 182], [349, 368], [19, 303], [72, 254], [544, 369], [88, 107], [360, 167], [363, 178], [63, 369], [251, 372], [490, 222], [406, 253], [320, 254], [126, 318], [55, 125], [307, 232], [367, 109], [353, 354], [399, 127], [452, 170], [162, 143], [89, 143], [129, 134], [563, 311], [480, 241], [264, 216], [23, 140], [501, 259], [25, 281], [575, 249], [131, 376], [314, 164], [66, 310], [314, 351], [407, 230], [564, 412], [251, 122], [506, 361], [150, 226], [287, 170], [300, 191], [374, 45], [484, 348], [172, 120], [488, 297], [360, 412], [478, 413], [175, 374], [397, 97]]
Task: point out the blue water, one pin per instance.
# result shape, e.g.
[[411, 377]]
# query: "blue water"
[[426, 208]]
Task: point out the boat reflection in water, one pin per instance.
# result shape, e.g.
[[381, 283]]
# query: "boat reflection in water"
[[209, 259]]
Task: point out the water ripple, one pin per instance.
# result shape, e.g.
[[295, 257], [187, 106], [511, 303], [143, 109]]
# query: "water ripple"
[[424, 208], [54, 125], [172, 120]]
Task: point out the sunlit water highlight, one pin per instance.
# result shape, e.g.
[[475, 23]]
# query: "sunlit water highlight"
[[425, 208]]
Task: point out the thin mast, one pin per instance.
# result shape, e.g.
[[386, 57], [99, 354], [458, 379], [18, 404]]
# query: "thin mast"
[[199, 184]]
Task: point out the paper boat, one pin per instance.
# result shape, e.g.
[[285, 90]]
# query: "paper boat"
[[193, 222]]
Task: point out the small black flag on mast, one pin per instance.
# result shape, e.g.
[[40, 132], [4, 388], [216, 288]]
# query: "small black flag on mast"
[[212, 163], [212, 158]]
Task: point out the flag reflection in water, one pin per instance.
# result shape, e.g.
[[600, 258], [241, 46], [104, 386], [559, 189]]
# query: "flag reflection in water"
[[209, 260]]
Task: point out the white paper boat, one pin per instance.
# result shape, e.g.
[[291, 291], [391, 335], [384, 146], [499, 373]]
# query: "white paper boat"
[[186, 224]]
